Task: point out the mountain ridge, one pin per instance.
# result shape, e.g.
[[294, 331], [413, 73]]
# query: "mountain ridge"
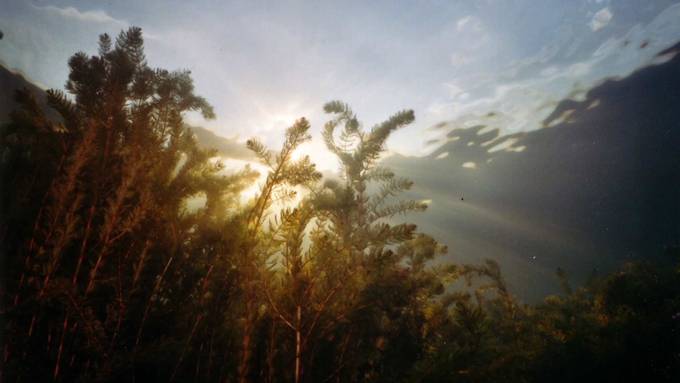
[[595, 187], [11, 80]]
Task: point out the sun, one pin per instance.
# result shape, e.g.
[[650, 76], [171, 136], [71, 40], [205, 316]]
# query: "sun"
[[324, 160]]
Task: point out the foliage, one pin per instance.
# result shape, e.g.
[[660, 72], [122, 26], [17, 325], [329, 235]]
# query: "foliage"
[[130, 255]]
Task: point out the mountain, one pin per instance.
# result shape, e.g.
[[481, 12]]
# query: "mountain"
[[599, 184], [10, 81], [228, 147]]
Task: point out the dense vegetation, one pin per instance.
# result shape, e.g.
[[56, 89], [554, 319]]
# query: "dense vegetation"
[[111, 274]]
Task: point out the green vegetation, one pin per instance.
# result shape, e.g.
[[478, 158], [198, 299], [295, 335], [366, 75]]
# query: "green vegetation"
[[109, 275]]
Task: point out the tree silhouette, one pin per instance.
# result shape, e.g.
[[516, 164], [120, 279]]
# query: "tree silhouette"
[[130, 255]]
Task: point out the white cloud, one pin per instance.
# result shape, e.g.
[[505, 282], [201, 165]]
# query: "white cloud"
[[504, 145], [521, 100], [462, 22], [469, 23], [601, 19], [95, 16], [459, 59], [456, 92]]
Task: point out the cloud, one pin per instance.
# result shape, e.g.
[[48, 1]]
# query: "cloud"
[[95, 16], [524, 91], [463, 22], [460, 59], [601, 19], [470, 23]]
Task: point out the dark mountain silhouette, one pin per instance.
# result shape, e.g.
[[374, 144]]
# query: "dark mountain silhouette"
[[10, 81], [228, 147], [598, 185]]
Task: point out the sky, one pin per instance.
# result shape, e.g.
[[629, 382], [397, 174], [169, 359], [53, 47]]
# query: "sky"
[[264, 64]]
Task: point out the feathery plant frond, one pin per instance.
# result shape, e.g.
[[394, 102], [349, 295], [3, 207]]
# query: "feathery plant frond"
[[382, 233], [373, 146], [66, 108], [260, 150], [390, 187], [400, 207], [302, 172], [294, 224], [358, 152], [379, 174], [283, 171], [129, 41], [419, 250]]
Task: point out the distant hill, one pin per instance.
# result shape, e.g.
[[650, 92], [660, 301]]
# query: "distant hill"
[[598, 185], [11, 81], [228, 147]]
